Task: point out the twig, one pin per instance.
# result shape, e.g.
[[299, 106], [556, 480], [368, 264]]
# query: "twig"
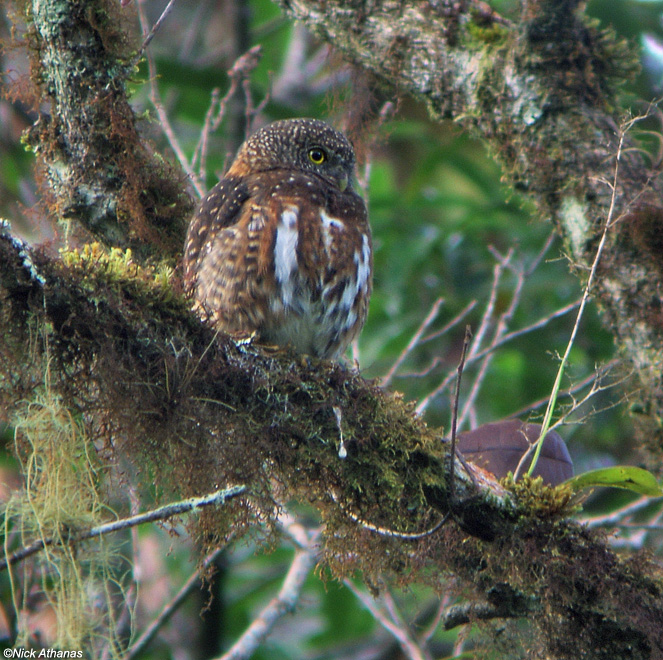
[[499, 335], [408, 645], [413, 343], [151, 34], [170, 608], [155, 98], [441, 608], [591, 378], [176, 508], [618, 515], [385, 531], [509, 336], [239, 71], [458, 615], [454, 322], [454, 415], [285, 602], [500, 329], [585, 297], [201, 148], [537, 325]]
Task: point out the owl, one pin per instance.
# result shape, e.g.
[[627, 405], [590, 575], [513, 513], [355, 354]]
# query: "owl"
[[281, 247]]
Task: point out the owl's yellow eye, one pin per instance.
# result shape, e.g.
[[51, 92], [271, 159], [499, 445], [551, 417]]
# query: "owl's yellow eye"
[[317, 155]]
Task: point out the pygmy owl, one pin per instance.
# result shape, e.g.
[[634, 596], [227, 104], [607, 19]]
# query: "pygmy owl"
[[281, 246]]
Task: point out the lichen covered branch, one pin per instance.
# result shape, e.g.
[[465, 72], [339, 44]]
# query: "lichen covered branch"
[[100, 172]]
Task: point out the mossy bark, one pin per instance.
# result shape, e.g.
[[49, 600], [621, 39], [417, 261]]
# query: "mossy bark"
[[100, 172], [194, 411]]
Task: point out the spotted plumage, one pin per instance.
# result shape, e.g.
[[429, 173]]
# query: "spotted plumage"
[[281, 247]]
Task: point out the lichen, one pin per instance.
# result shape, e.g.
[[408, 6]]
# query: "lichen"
[[116, 268], [61, 498]]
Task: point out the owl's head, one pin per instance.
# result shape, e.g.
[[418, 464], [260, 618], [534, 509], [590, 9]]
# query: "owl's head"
[[309, 145]]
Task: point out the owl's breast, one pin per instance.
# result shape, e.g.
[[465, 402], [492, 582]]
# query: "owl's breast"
[[322, 267]]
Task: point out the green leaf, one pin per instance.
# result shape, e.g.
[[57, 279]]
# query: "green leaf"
[[621, 476]]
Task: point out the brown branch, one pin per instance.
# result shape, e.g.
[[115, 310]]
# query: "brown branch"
[[197, 411], [170, 608], [99, 171], [284, 603]]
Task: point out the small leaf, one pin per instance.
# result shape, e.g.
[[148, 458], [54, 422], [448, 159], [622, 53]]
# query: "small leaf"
[[621, 476]]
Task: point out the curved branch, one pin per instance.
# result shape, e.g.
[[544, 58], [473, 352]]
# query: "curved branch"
[[99, 171]]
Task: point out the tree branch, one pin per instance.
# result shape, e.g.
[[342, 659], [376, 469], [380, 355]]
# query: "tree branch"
[[99, 171], [162, 513], [284, 603], [198, 411]]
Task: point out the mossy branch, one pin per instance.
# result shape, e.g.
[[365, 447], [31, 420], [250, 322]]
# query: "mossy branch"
[[201, 412], [100, 171], [543, 93]]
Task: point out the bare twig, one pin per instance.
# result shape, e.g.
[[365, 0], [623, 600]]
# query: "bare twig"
[[239, 72], [451, 324], [170, 608], [499, 335], [591, 378], [441, 609], [398, 629], [618, 515], [454, 414], [155, 98], [218, 497], [413, 343], [284, 603], [384, 531], [151, 34]]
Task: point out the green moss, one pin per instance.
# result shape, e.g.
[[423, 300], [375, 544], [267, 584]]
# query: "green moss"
[[115, 268], [535, 499], [487, 32]]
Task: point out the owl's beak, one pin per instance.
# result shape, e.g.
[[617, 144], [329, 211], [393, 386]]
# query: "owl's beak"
[[343, 182]]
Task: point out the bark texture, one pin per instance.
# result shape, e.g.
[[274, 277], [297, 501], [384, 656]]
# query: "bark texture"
[[99, 172]]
